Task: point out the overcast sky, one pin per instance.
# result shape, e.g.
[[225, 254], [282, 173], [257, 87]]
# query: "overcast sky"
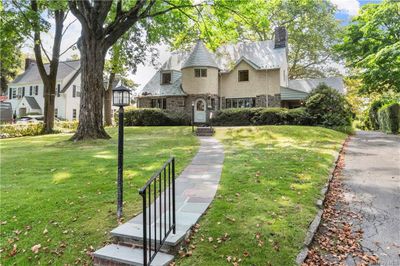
[[347, 9]]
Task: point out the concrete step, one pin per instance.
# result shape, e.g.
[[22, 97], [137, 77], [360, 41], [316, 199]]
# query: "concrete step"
[[204, 131], [122, 255]]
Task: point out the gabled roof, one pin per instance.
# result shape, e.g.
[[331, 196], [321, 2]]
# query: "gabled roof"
[[154, 88], [31, 75], [261, 54], [200, 57], [307, 85], [32, 102]]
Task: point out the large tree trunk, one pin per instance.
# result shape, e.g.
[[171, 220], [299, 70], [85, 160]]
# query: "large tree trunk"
[[91, 105], [108, 101]]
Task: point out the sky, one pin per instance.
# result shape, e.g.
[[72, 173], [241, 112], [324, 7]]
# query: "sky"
[[346, 10]]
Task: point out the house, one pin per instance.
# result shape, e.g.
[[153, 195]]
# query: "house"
[[26, 92], [243, 75]]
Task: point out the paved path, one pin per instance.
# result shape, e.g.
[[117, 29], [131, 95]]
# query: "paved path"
[[372, 175], [195, 189]]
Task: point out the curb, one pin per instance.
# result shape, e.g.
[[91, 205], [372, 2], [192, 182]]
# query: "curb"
[[314, 225]]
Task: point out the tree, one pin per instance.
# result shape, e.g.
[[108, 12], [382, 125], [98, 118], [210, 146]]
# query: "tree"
[[32, 13], [103, 23], [13, 28], [311, 24], [371, 47]]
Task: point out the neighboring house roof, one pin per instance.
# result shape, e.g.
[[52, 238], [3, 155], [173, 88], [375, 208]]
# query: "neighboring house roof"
[[154, 88], [200, 57], [31, 75], [307, 85], [32, 102], [261, 55]]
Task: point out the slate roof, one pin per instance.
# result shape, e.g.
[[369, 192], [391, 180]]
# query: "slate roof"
[[200, 57], [154, 88], [261, 55], [32, 102], [31, 75], [307, 85]]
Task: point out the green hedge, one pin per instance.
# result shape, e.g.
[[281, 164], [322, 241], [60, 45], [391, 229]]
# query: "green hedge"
[[261, 116], [154, 117], [11, 131], [389, 118]]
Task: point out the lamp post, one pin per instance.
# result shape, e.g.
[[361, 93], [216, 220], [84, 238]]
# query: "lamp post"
[[121, 98], [192, 117]]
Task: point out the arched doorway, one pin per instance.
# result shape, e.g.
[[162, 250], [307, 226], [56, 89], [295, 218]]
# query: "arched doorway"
[[200, 111]]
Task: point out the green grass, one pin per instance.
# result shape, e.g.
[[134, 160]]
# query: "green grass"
[[271, 179], [68, 189]]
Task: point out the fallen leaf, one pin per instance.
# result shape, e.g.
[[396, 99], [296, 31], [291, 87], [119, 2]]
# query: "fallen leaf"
[[35, 249]]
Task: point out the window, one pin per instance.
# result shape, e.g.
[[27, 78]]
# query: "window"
[[243, 75], [73, 91], [200, 72], [166, 78], [74, 114], [212, 103], [36, 90], [30, 90], [12, 93], [58, 90], [159, 103], [56, 112], [240, 102], [21, 91]]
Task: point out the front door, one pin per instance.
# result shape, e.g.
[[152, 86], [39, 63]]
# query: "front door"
[[200, 111]]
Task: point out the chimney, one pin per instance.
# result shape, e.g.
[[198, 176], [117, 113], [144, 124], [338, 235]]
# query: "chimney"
[[280, 37], [29, 62]]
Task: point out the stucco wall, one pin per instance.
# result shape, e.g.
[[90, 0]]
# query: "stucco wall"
[[200, 85], [232, 88], [273, 81]]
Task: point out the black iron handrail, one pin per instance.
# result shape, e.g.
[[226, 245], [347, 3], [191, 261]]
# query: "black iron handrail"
[[165, 176]]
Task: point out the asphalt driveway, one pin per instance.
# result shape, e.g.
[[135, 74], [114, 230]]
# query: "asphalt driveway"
[[372, 179]]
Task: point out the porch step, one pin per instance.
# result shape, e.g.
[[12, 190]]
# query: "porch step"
[[122, 255], [204, 131]]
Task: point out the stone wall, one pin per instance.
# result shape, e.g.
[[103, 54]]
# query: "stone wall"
[[261, 101], [274, 101]]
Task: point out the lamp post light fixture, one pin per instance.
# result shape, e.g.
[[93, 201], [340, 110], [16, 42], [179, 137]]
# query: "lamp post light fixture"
[[121, 98], [192, 117]]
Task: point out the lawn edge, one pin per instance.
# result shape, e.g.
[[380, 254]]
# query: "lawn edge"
[[314, 225]]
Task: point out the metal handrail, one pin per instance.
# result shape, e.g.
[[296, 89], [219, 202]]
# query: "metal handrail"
[[163, 176]]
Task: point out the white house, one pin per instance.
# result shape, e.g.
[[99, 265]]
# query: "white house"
[[26, 93]]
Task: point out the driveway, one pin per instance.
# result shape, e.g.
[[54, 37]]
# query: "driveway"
[[372, 180]]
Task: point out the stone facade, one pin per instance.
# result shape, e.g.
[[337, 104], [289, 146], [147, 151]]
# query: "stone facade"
[[274, 101], [261, 101]]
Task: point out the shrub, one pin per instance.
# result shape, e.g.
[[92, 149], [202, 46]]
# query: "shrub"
[[327, 107], [298, 116], [235, 116], [13, 130], [70, 125], [389, 118], [154, 117], [270, 116]]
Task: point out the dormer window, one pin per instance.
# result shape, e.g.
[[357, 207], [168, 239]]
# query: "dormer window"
[[243, 75], [200, 72], [166, 78]]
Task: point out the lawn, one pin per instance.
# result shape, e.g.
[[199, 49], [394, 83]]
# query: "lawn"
[[61, 194], [271, 179]]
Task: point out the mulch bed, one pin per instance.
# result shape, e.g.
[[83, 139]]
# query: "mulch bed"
[[337, 241]]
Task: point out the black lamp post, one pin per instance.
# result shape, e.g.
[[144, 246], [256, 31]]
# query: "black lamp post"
[[121, 98], [192, 117]]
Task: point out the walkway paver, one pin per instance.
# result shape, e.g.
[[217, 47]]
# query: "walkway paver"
[[372, 177], [195, 189]]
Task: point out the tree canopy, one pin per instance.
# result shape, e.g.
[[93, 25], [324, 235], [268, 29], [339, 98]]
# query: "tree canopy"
[[371, 47]]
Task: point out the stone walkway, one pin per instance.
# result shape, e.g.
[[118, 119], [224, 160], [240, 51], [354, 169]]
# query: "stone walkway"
[[372, 177], [195, 189]]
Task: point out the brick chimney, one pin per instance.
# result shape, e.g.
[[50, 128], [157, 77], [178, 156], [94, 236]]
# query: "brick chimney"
[[28, 62], [281, 37]]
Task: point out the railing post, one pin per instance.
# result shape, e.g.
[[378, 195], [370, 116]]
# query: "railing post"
[[173, 196], [144, 229]]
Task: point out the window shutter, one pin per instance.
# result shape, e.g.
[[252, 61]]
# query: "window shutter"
[[73, 91], [30, 90], [58, 90], [23, 91], [10, 93]]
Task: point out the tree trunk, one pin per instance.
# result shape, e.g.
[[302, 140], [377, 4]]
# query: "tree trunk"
[[91, 105], [49, 105], [108, 101]]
